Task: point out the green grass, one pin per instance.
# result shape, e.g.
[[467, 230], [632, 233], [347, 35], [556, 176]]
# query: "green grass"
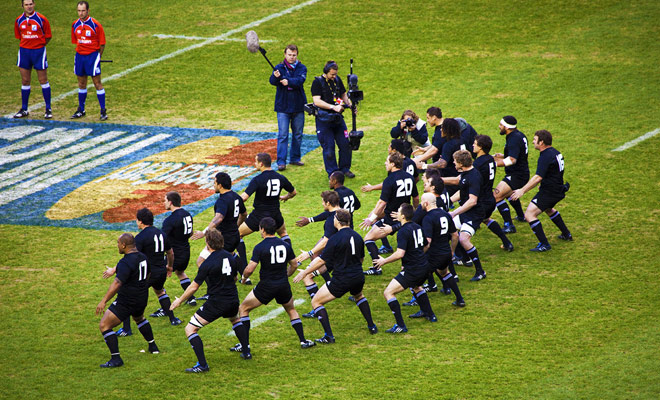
[[578, 322]]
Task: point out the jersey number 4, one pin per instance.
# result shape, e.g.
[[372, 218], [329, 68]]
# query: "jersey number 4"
[[404, 187], [226, 268]]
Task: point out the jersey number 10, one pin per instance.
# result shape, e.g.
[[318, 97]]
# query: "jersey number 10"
[[277, 254]]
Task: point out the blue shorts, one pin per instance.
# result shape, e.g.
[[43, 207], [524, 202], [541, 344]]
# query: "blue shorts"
[[32, 58], [87, 65]]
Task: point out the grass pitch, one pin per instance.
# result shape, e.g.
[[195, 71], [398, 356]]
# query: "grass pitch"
[[578, 322]]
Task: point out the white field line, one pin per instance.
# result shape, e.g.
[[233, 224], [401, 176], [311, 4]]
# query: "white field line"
[[272, 314], [164, 36], [633, 142], [149, 63]]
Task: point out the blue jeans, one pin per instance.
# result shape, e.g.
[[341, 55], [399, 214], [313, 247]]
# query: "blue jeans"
[[297, 122], [328, 135]]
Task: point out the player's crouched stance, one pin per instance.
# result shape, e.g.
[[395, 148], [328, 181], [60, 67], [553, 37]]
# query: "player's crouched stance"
[[343, 253], [273, 254], [219, 272], [410, 243], [131, 284]]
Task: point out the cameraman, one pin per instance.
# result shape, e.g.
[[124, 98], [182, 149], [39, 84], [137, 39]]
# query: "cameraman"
[[411, 129], [329, 95]]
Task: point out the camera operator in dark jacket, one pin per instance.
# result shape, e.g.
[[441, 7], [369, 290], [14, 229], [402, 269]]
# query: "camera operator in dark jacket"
[[289, 77], [329, 95], [411, 129]]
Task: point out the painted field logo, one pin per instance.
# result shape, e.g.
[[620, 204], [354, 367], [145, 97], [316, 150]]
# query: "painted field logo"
[[98, 175]]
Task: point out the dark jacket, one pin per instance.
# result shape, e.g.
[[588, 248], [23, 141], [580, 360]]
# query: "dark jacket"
[[291, 98], [419, 135]]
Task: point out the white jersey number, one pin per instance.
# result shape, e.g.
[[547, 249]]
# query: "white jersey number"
[[277, 254], [273, 187], [560, 162], [418, 237], [404, 187], [142, 270], [349, 203], [236, 210], [159, 243], [226, 268], [187, 225]]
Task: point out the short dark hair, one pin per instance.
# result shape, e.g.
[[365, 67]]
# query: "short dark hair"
[[438, 185], [214, 239], [396, 159], [223, 179], [331, 197], [435, 112], [430, 173], [331, 64], [544, 136], [407, 211], [268, 225], [264, 158], [343, 216], [398, 145], [127, 239], [485, 142], [145, 216], [464, 157], [174, 198], [84, 3], [291, 47], [338, 176], [451, 128]]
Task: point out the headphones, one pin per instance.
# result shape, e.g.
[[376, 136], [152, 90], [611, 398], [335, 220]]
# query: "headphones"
[[329, 65]]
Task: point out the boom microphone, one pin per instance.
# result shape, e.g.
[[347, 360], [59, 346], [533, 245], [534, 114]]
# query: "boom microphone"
[[253, 45]]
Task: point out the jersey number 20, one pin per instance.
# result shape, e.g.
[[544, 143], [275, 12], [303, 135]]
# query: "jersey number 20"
[[404, 187]]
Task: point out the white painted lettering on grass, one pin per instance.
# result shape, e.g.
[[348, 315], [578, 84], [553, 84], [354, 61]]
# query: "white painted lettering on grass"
[[272, 314], [149, 63], [647, 135], [69, 167]]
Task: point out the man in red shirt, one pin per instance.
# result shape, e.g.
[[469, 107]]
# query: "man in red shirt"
[[88, 36], [33, 30]]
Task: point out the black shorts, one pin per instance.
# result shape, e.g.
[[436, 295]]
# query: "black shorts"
[[438, 261], [123, 308], [545, 201], [252, 221], [265, 292], [408, 280], [339, 286], [214, 309], [488, 207], [472, 218], [231, 241], [158, 277], [515, 182], [181, 259]]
